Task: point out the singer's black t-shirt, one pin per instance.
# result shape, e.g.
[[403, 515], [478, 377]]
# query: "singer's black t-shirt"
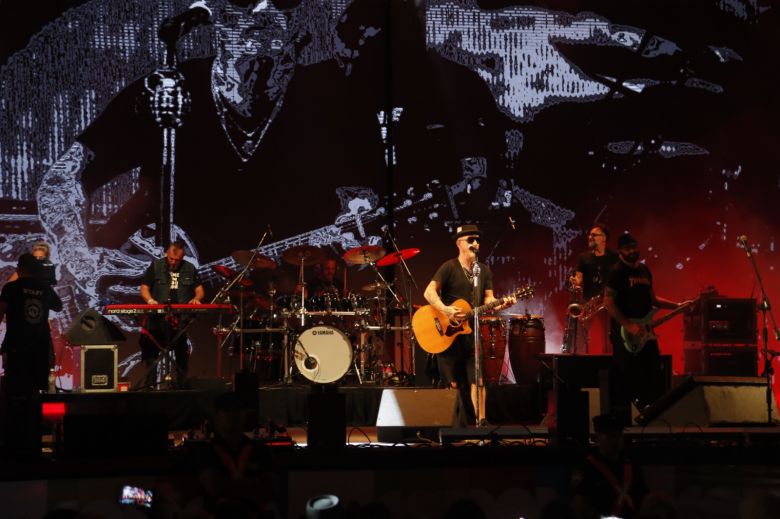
[[455, 282]]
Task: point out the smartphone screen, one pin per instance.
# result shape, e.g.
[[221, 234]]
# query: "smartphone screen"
[[136, 496]]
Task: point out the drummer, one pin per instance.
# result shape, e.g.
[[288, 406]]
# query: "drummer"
[[324, 280]]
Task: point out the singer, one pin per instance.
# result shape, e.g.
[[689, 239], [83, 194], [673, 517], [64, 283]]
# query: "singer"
[[455, 280]]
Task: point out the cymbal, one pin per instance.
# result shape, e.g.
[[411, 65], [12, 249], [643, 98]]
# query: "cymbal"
[[305, 254], [235, 295], [229, 273], [363, 255], [258, 302], [395, 257], [373, 287], [242, 257]]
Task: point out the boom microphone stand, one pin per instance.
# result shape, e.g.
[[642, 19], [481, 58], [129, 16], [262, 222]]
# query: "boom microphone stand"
[[766, 314]]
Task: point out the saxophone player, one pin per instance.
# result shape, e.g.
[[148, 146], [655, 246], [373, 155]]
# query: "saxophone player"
[[590, 278]]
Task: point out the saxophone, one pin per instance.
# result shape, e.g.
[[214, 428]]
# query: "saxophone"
[[573, 314]]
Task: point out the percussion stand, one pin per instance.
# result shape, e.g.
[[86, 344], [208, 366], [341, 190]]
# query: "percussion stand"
[[407, 275]]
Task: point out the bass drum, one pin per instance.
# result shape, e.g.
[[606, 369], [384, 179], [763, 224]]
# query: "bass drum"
[[323, 354]]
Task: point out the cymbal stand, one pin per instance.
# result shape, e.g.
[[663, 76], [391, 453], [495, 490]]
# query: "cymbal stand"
[[222, 294], [407, 275]]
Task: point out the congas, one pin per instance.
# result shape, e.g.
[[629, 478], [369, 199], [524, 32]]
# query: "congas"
[[492, 334], [526, 343], [323, 354]]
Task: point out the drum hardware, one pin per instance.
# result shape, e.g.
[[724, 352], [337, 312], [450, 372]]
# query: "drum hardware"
[[223, 295], [394, 258], [230, 274]]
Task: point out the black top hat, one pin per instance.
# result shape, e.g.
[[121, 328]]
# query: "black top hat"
[[468, 229]]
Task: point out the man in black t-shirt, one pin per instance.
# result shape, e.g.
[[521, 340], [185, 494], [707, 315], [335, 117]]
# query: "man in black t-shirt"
[[591, 275], [169, 280], [455, 280], [26, 352], [629, 295]]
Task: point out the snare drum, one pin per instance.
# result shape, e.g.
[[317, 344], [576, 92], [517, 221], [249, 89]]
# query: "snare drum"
[[323, 354]]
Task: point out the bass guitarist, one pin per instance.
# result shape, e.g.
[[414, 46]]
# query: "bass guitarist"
[[455, 280], [634, 376]]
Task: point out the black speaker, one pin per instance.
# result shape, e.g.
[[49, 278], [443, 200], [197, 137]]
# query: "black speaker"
[[712, 401], [327, 424], [408, 415], [91, 328], [106, 435]]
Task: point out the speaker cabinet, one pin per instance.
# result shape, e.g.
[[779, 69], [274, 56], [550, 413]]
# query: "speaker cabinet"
[[115, 435], [722, 320], [712, 401], [412, 414]]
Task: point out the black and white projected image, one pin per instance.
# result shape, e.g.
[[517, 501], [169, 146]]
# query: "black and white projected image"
[[333, 122]]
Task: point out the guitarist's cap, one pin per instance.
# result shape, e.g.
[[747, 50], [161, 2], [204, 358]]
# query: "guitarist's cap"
[[467, 230], [625, 240]]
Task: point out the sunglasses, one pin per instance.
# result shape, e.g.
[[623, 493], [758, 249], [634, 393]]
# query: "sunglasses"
[[596, 234], [471, 239]]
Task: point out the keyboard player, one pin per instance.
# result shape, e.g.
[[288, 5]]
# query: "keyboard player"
[[168, 280]]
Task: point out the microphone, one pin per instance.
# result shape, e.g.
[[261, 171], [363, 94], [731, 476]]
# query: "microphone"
[[512, 223], [270, 232], [175, 27], [743, 240], [310, 363]]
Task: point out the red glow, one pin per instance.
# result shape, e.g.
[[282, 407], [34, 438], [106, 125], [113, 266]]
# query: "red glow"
[[53, 410]]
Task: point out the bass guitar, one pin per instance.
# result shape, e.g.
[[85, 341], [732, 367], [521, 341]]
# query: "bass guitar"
[[435, 332], [635, 343]]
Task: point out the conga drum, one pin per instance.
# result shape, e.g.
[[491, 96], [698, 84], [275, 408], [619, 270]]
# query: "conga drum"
[[492, 335], [526, 343]]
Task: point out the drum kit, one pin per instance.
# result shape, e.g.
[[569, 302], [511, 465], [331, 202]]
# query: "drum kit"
[[283, 332]]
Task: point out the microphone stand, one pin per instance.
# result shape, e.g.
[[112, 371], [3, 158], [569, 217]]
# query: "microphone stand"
[[475, 271], [407, 277], [765, 308]]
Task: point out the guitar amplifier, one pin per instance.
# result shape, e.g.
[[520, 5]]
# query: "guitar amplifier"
[[722, 320], [95, 368]]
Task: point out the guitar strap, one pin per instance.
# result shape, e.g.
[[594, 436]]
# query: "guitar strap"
[[621, 491]]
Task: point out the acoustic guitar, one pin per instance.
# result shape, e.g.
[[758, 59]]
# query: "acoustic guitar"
[[435, 332]]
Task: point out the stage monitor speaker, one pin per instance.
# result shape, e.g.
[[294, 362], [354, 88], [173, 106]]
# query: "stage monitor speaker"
[[711, 401], [583, 370], [112, 435], [409, 415], [327, 417], [91, 328]]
